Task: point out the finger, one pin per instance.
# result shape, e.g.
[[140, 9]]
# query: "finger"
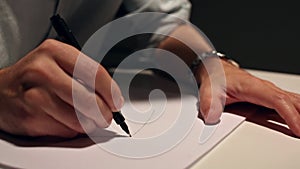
[[212, 91], [39, 123], [91, 105], [70, 90], [289, 112], [211, 102], [63, 112], [98, 78], [274, 98], [40, 126], [90, 72], [296, 100], [83, 99]]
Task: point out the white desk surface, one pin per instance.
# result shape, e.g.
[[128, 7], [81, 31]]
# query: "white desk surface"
[[254, 146]]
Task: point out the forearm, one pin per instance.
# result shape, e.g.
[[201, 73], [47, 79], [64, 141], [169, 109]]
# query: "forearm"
[[195, 41], [185, 41]]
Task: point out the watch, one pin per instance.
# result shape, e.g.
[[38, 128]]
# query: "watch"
[[213, 53]]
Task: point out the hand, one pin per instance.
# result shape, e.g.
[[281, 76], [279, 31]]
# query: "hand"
[[244, 87], [36, 93]]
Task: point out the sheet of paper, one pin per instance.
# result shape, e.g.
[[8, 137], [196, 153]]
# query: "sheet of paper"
[[163, 137]]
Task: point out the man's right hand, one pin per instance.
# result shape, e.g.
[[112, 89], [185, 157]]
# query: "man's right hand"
[[36, 93]]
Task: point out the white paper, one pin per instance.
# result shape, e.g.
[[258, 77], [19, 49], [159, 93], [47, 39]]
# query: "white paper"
[[136, 152]]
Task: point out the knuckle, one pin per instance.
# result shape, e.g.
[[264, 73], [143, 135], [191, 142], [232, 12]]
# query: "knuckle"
[[281, 98], [30, 95], [36, 98], [37, 66], [39, 70], [48, 45], [33, 96]]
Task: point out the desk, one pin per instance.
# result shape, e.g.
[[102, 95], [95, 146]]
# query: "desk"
[[253, 146]]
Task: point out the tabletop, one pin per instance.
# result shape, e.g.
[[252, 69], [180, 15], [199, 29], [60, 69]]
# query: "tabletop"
[[262, 141]]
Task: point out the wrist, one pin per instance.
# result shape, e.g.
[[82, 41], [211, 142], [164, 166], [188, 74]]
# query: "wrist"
[[198, 60], [206, 59]]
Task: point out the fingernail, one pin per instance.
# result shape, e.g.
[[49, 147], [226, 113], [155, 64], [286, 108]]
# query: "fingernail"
[[210, 119]]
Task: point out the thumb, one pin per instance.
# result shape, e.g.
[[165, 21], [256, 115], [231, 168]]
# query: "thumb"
[[212, 101]]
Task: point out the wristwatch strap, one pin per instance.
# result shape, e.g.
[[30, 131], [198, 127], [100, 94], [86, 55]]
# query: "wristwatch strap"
[[213, 53]]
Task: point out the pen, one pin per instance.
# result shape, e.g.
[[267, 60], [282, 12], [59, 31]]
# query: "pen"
[[66, 36]]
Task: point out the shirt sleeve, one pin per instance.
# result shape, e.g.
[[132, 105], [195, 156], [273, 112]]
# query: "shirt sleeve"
[[178, 8]]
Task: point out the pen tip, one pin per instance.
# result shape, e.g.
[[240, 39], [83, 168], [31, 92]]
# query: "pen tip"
[[130, 135]]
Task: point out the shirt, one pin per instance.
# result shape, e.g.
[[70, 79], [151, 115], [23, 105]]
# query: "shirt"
[[24, 24]]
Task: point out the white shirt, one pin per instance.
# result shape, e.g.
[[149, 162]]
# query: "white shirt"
[[24, 24]]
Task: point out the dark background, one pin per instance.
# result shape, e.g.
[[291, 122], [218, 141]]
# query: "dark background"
[[258, 34]]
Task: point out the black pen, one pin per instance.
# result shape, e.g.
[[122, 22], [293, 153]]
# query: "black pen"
[[65, 34]]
